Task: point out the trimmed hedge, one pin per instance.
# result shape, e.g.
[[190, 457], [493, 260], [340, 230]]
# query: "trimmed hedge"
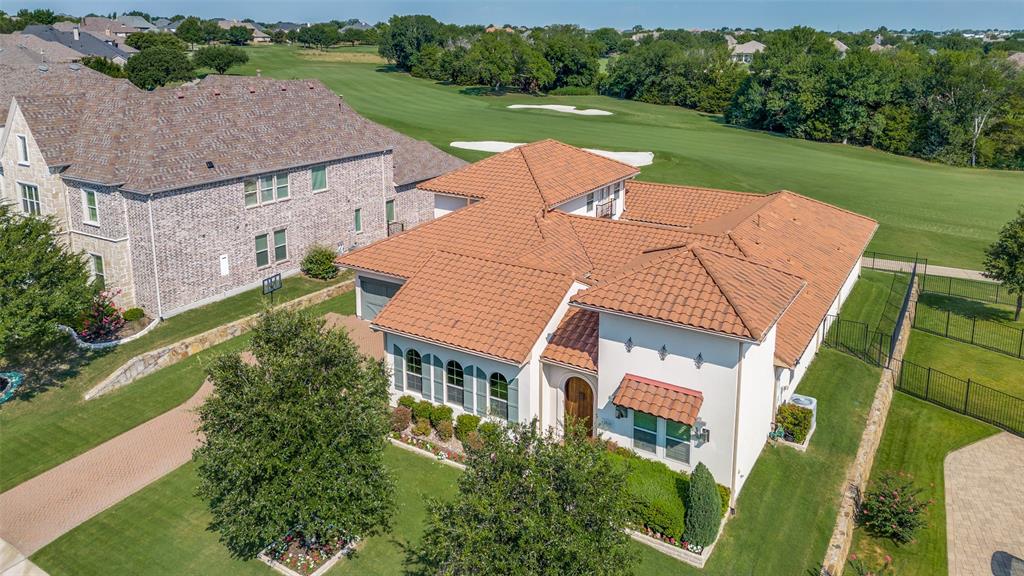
[[401, 417], [704, 507], [444, 430], [133, 314], [465, 424], [440, 413], [407, 401], [422, 410], [795, 421]]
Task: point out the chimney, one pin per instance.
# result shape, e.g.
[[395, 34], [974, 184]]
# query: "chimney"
[[75, 32]]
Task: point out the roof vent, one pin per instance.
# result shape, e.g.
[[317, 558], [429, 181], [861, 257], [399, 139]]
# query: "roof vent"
[[284, 88], [310, 86], [216, 92], [180, 95], [75, 66], [209, 164], [252, 89], [43, 67]]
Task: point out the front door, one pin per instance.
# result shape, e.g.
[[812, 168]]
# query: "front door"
[[579, 403]]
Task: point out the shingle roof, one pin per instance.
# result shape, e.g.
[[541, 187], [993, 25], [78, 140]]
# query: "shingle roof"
[[102, 26], [162, 140], [26, 78], [29, 50], [662, 399], [555, 171], [483, 306], [574, 342], [683, 206], [86, 44], [699, 288]]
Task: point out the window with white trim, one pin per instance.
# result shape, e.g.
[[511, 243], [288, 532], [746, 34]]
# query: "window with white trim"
[[498, 387], [414, 370], [266, 189], [99, 275], [677, 441], [252, 197], [90, 208], [318, 176], [357, 219], [280, 245], [262, 251], [645, 431], [590, 202], [22, 149], [30, 203], [454, 380]]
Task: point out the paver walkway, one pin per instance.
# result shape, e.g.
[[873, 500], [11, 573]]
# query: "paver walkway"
[[985, 508], [38, 511]]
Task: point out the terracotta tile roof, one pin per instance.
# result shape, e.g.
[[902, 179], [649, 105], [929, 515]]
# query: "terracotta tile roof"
[[548, 170], [699, 288], [162, 140], [683, 206], [492, 308], [574, 342], [662, 399]]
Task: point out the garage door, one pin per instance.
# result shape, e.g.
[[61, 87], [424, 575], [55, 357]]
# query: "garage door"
[[376, 294]]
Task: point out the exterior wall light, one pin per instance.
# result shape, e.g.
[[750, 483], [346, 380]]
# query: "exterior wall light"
[[620, 412], [705, 435], [629, 344], [698, 361], [663, 352]]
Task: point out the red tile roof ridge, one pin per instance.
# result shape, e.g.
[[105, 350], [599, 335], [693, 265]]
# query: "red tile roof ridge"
[[749, 260], [689, 187], [529, 170], [660, 384], [559, 142], [826, 204]]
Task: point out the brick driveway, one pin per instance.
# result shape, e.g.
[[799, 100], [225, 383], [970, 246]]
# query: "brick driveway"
[[38, 511], [985, 507]]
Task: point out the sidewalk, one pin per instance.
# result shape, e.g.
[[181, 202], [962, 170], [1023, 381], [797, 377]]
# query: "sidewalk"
[[933, 270], [40, 510]]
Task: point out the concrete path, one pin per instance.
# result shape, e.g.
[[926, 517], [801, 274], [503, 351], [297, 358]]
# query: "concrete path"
[[14, 563], [985, 508], [933, 270], [38, 511]]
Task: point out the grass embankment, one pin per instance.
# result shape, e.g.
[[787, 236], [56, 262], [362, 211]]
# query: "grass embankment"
[[921, 206], [55, 423]]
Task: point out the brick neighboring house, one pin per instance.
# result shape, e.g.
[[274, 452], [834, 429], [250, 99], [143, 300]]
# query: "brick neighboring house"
[[184, 196]]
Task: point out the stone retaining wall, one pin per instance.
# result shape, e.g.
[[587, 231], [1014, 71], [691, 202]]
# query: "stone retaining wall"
[[149, 362], [859, 473]]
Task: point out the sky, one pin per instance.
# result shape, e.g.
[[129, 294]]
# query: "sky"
[[821, 14]]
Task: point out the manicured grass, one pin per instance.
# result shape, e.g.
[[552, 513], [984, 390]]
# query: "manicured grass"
[[921, 207], [866, 302], [998, 313], [162, 529], [965, 361], [917, 437], [57, 424]]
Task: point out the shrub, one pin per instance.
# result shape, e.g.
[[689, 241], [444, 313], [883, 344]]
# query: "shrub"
[[319, 263], [407, 401], [795, 420], [103, 319], [422, 427], [655, 494], [724, 493], [465, 424], [444, 430], [422, 410], [892, 508], [473, 441], [133, 314], [440, 413], [400, 418], [703, 507]]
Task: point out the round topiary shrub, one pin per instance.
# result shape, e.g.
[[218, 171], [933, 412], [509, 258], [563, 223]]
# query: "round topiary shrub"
[[422, 410], [133, 314], [703, 508], [444, 430], [891, 509], [407, 401], [465, 424], [319, 263], [401, 417], [422, 427], [440, 413]]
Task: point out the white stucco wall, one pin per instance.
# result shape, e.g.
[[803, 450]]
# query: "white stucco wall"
[[444, 204], [578, 206], [756, 405]]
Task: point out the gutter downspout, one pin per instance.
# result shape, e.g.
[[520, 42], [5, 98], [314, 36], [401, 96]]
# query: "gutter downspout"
[[152, 249]]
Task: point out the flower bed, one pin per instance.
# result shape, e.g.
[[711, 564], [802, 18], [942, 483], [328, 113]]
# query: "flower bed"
[[294, 555], [441, 452]]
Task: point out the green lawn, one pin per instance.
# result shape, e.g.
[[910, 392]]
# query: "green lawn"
[[57, 424], [922, 207], [964, 361], [998, 313], [917, 437], [866, 302]]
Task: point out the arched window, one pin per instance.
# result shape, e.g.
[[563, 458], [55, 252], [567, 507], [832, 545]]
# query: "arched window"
[[499, 396], [454, 379], [414, 370]]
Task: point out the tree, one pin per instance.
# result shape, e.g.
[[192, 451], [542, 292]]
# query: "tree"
[[158, 66], [101, 64], [320, 36], [607, 39], [220, 58], [144, 40], [1004, 259], [45, 285], [212, 31], [352, 35], [191, 31], [703, 507], [297, 440], [404, 36], [531, 504], [238, 35], [573, 57], [278, 36]]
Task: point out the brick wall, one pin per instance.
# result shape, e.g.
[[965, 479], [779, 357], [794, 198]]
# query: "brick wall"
[[50, 186]]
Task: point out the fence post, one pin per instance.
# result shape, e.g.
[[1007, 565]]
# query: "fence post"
[[967, 395], [928, 383], [1020, 347], [947, 324], [974, 324]]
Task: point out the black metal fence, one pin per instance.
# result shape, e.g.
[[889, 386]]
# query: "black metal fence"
[[971, 289], [964, 396], [858, 339], [984, 333]]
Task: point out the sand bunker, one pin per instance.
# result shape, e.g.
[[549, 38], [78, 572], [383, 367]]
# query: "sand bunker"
[[563, 108], [631, 158]]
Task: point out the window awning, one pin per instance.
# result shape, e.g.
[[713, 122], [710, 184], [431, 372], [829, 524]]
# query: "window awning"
[[659, 398]]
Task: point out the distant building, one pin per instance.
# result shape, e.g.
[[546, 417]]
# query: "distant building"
[[258, 36], [104, 27], [1017, 59], [83, 43], [840, 47], [493, 28], [166, 25], [745, 52], [137, 22], [288, 26], [28, 50]]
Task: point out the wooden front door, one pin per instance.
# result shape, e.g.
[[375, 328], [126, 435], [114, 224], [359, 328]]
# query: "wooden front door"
[[579, 403]]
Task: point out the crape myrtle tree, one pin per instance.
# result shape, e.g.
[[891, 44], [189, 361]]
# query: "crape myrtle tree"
[[531, 503], [43, 286], [1004, 259], [295, 440]]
